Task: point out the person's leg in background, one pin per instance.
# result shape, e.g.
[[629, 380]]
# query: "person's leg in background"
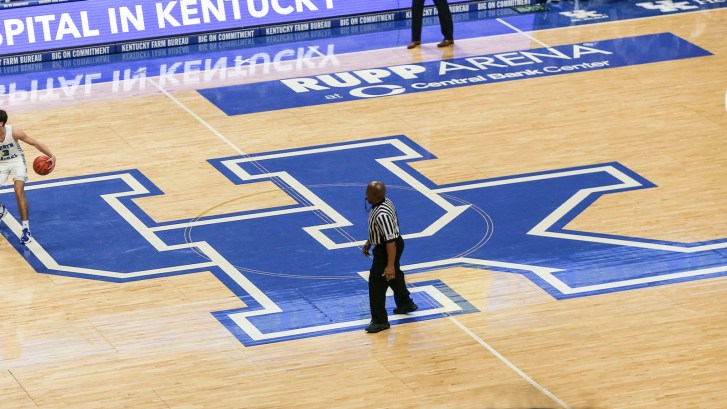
[[445, 22], [417, 18]]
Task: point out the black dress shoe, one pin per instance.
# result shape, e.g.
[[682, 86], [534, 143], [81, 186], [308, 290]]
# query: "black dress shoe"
[[413, 44], [411, 307], [445, 43], [374, 327]]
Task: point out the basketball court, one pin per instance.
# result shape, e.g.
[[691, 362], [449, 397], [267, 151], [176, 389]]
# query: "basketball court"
[[558, 175]]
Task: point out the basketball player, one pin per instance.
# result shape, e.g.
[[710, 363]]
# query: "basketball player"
[[385, 269], [12, 161]]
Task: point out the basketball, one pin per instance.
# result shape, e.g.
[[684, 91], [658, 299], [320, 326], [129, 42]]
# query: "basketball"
[[41, 165]]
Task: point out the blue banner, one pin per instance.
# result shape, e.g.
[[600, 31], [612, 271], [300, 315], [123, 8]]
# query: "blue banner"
[[453, 73], [205, 64], [85, 23], [16, 4]]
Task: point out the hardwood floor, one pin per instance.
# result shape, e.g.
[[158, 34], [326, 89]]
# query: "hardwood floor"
[[70, 342]]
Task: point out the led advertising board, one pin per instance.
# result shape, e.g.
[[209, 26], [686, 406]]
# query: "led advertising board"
[[86, 23]]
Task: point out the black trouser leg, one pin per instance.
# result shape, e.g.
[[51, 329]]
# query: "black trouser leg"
[[417, 16], [378, 284], [445, 19], [402, 297]]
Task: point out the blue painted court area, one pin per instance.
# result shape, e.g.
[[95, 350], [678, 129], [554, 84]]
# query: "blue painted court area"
[[315, 282], [451, 73]]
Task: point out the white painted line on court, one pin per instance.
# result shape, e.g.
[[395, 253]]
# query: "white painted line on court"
[[198, 118], [229, 143], [505, 23], [504, 360]]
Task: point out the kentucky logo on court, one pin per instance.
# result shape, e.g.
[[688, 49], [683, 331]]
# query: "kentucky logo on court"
[[299, 269], [667, 6]]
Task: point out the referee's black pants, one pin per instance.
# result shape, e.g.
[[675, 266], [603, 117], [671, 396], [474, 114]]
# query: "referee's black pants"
[[417, 17], [378, 284]]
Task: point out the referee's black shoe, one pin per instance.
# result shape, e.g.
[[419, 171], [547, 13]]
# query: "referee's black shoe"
[[375, 327], [411, 307]]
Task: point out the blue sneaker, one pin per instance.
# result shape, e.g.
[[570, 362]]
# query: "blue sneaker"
[[26, 237], [3, 211]]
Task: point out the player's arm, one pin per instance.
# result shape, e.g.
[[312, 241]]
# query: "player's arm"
[[21, 136]]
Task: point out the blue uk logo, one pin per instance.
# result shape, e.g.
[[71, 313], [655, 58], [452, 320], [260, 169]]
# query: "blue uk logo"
[[299, 269]]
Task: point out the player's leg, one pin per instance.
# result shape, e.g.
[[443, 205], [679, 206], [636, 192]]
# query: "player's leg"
[[20, 176], [22, 200], [23, 210], [4, 175]]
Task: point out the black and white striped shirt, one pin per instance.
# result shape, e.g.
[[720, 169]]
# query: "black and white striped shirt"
[[383, 223]]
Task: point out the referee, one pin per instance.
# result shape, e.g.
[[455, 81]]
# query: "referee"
[[385, 268]]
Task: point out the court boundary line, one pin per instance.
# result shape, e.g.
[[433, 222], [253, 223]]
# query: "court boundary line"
[[519, 31], [507, 362]]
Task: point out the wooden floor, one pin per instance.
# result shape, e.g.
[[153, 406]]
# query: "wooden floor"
[[72, 343]]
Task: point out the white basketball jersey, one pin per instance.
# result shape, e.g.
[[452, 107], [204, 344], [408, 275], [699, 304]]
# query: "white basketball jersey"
[[10, 148]]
